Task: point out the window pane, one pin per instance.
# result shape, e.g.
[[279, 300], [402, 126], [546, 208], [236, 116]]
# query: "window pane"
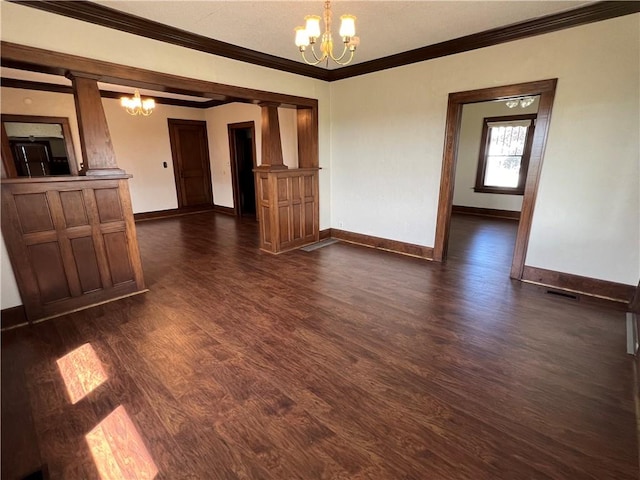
[[502, 171], [507, 140]]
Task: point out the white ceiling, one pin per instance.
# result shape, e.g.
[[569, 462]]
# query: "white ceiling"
[[384, 27]]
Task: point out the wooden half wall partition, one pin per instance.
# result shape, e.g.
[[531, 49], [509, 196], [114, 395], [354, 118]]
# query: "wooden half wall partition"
[[71, 241], [288, 199]]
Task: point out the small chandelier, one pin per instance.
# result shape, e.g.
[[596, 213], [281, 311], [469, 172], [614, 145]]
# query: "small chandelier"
[[308, 35], [524, 102], [138, 106]]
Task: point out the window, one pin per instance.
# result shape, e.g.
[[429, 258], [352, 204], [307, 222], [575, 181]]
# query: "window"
[[504, 154]]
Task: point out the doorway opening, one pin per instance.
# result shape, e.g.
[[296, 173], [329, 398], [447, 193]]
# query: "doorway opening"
[[545, 90], [191, 164], [493, 154], [242, 148]]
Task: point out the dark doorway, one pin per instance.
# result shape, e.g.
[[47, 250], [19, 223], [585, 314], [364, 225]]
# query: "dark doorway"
[[35, 146], [242, 148], [32, 159], [191, 165]]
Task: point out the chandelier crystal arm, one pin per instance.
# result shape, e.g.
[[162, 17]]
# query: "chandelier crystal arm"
[[346, 62], [304, 57]]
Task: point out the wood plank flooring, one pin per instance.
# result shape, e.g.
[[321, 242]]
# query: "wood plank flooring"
[[341, 363]]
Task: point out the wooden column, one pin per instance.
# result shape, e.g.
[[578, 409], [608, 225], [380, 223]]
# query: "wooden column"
[[307, 121], [97, 150], [271, 142]]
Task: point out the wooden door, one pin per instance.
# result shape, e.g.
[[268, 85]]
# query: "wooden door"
[[190, 152]]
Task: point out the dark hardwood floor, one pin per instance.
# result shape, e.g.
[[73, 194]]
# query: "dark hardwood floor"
[[341, 363]]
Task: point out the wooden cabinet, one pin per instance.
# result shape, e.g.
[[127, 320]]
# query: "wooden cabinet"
[[71, 240], [289, 211]]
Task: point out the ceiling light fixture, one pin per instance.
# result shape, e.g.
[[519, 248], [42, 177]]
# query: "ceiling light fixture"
[[308, 35], [138, 106], [524, 102]]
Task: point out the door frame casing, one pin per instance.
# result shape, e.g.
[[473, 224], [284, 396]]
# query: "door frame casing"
[[174, 157], [233, 160], [546, 89]]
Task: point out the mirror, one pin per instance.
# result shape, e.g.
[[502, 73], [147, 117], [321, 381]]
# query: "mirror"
[[37, 146]]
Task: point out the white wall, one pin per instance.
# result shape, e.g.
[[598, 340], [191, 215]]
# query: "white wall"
[[141, 145], [387, 131], [473, 115], [218, 119]]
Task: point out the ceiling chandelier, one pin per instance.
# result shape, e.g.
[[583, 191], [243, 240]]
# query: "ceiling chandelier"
[[524, 102], [138, 106], [308, 35]]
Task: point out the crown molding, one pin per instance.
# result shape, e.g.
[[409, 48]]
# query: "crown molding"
[[111, 18], [53, 87], [594, 12]]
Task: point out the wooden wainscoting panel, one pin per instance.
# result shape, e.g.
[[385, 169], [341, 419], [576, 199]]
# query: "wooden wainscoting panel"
[[79, 248], [50, 272], [292, 201], [116, 247], [575, 283], [87, 263], [395, 246], [74, 209], [33, 212], [108, 203]]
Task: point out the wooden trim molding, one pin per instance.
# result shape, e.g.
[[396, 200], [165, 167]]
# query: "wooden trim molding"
[[117, 20], [13, 317], [111, 18], [634, 304], [53, 87], [225, 210], [546, 89], [324, 234], [486, 212], [618, 292], [34, 59], [594, 12], [171, 212], [379, 243]]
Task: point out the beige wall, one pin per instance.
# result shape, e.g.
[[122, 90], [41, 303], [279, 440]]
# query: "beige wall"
[[142, 145], [387, 131], [218, 119], [473, 115]]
